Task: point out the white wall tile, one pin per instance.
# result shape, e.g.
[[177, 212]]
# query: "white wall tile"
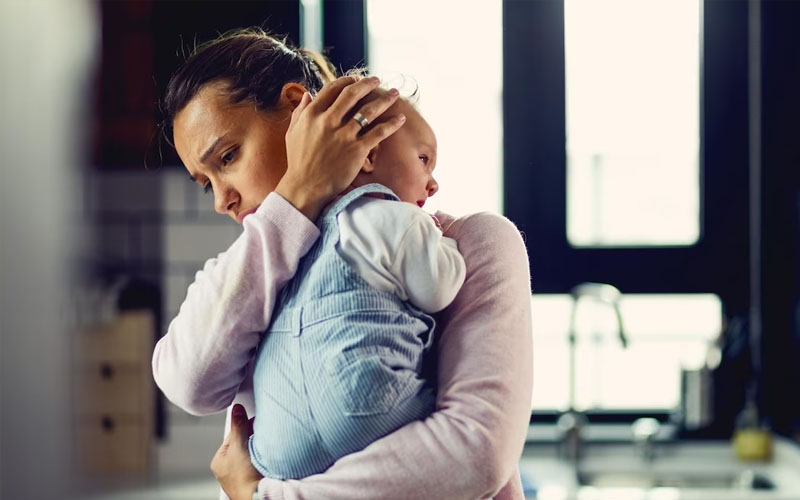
[[195, 241], [113, 243], [128, 191], [204, 205], [174, 291], [178, 417], [174, 184], [189, 448], [149, 244]]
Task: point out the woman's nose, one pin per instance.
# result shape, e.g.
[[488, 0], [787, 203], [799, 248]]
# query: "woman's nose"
[[433, 186], [224, 200]]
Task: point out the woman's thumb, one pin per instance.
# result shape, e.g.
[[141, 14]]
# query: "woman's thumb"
[[238, 416]]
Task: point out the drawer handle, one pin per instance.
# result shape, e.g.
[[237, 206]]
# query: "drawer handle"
[[107, 423], [106, 371]]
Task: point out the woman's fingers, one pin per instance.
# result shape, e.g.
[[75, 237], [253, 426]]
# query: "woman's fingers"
[[231, 464], [381, 131], [349, 97], [371, 108], [298, 110], [330, 91], [304, 101]]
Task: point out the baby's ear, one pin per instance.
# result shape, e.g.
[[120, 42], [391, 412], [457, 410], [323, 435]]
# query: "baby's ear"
[[369, 163]]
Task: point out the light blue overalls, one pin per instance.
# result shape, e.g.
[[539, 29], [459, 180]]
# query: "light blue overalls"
[[341, 364]]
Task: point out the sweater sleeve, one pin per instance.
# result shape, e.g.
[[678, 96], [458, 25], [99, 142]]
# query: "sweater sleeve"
[[470, 446], [201, 360]]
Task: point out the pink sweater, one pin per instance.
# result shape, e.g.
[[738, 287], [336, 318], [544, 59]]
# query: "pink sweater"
[[467, 449]]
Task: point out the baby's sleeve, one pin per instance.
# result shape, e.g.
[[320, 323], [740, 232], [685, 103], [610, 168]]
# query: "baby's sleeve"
[[428, 264], [397, 247]]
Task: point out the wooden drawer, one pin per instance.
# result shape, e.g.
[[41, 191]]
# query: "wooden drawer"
[[113, 396], [113, 444], [127, 339], [104, 387]]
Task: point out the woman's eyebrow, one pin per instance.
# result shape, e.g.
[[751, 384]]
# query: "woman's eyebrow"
[[204, 157]]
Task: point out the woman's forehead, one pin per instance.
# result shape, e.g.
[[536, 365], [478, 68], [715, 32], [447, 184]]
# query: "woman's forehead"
[[206, 117], [207, 109]]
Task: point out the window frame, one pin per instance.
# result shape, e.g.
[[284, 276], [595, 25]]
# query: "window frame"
[[535, 189]]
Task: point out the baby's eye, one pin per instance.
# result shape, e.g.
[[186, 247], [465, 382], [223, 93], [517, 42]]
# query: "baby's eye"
[[207, 187], [424, 159]]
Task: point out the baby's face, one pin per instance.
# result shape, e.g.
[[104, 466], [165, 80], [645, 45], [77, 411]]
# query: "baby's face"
[[404, 161]]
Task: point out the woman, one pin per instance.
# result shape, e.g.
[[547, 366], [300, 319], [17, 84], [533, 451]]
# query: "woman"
[[246, 127]]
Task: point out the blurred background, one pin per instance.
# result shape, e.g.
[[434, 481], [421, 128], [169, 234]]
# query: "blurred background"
[[648, 145]]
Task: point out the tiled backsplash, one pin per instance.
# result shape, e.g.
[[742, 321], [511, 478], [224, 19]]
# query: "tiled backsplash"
[[192, 232], [154, 224], [158, 226]]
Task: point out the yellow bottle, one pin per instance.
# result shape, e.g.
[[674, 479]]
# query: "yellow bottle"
[[751, 440]]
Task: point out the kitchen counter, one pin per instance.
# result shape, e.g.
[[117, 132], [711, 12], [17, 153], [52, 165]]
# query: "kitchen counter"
[[613, 469]]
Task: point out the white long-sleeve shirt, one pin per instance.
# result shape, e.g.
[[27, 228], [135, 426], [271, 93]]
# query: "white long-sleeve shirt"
[[398, 248]]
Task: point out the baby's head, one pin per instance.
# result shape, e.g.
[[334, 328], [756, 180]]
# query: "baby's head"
[[404, 161]]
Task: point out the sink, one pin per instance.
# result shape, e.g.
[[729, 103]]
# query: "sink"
[[679, 470], [746, 480]]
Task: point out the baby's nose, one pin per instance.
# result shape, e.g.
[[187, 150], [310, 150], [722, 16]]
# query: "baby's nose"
[[433, 187]]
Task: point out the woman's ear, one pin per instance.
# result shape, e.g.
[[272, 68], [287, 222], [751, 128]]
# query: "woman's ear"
[[292, 93]]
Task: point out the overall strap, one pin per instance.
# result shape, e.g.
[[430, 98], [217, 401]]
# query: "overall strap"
[[340, 204]]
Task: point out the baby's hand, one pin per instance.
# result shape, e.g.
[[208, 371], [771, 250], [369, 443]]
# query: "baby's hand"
[[436, 221]]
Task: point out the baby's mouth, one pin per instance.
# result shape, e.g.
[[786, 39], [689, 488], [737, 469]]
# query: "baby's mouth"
[[421, 203]]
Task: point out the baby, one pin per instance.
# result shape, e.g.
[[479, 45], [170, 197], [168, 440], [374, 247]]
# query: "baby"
[[343, 361]]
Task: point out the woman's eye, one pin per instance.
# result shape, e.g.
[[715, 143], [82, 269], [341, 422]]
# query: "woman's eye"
[[229, 156], [207, 187]]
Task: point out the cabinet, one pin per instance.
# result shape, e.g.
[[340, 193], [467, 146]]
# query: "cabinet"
[[113, 389]]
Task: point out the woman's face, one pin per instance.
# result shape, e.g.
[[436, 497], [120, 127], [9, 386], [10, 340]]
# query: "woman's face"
[[232, 150]]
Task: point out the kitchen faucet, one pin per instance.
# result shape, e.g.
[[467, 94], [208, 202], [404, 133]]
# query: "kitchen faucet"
[[571, 423]]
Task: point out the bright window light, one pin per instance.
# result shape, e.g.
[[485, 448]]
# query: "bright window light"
[[633, 121], [665, 334], [453, 51]]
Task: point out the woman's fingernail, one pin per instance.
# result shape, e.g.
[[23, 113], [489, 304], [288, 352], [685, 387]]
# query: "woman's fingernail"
[[374, 79], [401, 118], [394, 92]]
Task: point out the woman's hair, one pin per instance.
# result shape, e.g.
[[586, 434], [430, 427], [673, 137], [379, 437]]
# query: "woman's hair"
[[254, 65]]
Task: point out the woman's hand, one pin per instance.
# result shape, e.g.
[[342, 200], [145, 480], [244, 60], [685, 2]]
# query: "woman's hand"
[[325, 147], [231, 464]]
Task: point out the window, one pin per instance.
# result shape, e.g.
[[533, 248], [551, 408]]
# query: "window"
[[633, 122], [665, 334], [693, 245], [458, 66]]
